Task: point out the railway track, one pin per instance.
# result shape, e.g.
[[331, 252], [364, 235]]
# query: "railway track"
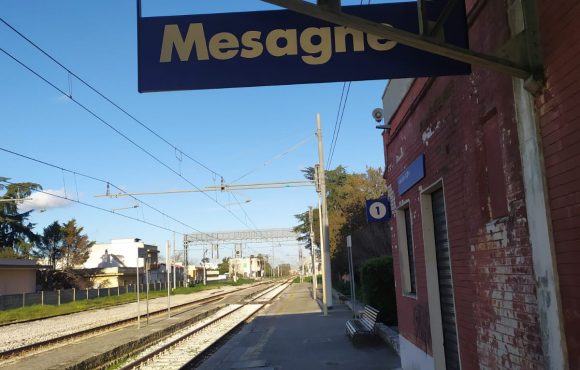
[[44, 345], [185, 346]]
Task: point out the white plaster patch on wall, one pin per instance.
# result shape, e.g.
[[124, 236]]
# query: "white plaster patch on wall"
[[428, 133], [399, 155], [391, 196], [496, 231], [413, 358]]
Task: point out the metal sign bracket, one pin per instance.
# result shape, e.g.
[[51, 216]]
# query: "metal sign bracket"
[[519, 58]]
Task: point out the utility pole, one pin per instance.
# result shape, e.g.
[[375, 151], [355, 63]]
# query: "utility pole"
[[300, 264], [174, 264], [314, 272], [138, 299], [326, 281], [272, 267], [322, 242], [147, 262]]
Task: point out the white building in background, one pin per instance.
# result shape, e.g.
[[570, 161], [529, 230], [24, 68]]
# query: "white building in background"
[[114, 264], [119, 253], [251, 267]]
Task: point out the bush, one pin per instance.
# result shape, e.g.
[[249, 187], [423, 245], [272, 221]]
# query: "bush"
[[378, 288], [342, 286], [306, 279]]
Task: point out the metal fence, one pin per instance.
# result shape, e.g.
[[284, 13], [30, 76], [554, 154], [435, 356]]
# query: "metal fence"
[[58, 297]]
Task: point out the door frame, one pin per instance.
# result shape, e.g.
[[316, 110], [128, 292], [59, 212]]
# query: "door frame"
[[432, 275]]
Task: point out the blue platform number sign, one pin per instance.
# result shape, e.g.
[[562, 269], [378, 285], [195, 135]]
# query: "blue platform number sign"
[[378, 210], [411, 175], [281, 47]]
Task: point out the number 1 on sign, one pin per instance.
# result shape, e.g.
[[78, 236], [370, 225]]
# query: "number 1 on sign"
[[378, 210]]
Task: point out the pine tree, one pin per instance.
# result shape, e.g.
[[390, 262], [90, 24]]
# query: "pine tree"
[[16, 233], [76, 247]]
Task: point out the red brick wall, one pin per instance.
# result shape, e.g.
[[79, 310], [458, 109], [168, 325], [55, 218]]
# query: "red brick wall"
[[559, 108], [465, 126]]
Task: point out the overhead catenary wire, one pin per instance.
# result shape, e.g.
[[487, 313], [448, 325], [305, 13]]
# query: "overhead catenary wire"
[[276, 157], [103, 121], [71, 74], [102, 95], [75, 173], [103, 209], [70, 96]]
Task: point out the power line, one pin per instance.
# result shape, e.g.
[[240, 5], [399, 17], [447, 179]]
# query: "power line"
[[102, 120], [278, 156], [102, 95], [333, 145], [339, 113], [337, 117], [102, 181]]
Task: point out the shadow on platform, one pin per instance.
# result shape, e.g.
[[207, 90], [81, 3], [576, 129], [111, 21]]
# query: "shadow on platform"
[[292, 333]]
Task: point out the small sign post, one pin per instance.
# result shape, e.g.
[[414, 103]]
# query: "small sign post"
[[351, 273], [168, 270]]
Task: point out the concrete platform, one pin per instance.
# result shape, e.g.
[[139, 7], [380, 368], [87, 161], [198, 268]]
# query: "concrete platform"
[[293, 334]]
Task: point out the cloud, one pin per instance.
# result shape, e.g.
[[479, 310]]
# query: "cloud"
[[43, 201]]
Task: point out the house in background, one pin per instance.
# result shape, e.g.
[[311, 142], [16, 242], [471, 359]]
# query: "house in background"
[[251, 267], [120, 253], [18, 276], [114, 264]]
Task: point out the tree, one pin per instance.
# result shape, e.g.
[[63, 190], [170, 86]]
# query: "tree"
[[76, 247], [346, 194], [303, 228], [16, 233], [224, 267], [265, 264], [50, 244], [285, 269]]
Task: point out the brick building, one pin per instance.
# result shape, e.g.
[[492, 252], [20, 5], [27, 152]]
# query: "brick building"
[[559, 128], [484, 180]]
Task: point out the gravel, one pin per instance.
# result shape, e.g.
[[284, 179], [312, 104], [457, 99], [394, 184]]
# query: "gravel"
[[19, 335]]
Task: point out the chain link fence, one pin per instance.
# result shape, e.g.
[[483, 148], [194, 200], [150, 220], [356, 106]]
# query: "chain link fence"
[[58, 297]]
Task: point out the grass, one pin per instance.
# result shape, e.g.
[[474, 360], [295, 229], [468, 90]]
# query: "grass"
[[44, 311], [307, 279]]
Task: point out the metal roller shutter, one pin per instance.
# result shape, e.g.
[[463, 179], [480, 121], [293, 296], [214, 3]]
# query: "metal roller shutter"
[[445, 281]]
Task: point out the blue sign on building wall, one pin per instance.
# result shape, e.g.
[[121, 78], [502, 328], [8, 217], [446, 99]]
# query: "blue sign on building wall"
[[283, 47], [411, 175]]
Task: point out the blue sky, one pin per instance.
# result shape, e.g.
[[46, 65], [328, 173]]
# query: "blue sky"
[[231, 131]]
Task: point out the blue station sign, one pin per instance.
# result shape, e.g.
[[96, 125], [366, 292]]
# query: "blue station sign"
[[283, 47], [378, 210], [411, 175]]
